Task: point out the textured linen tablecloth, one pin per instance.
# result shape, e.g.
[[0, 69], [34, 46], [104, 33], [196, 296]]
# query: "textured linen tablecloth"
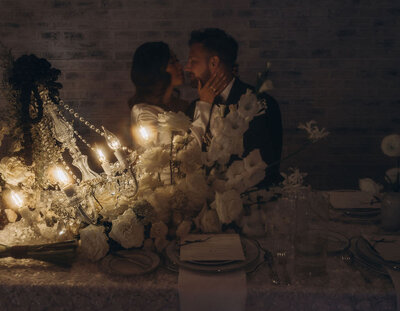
[[33, 285]]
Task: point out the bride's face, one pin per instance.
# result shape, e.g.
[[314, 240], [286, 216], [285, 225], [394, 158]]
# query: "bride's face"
[[174, 68]]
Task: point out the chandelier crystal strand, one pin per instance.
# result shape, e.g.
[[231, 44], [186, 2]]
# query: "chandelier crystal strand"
[[72, 112]]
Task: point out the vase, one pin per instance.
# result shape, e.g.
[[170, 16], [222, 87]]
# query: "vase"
[[390, 212]]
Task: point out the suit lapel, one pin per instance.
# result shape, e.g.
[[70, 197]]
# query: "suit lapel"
[[238, 89]]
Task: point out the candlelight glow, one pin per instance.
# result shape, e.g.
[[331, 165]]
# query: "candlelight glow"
[[16, 199], [144, 133], [61, 176], [101, 155], [111, 139]]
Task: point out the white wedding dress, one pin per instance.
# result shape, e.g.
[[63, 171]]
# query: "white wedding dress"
[[145, 131]]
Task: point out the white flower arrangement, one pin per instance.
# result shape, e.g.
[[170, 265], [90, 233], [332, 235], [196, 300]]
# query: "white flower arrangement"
[[180, 189], [390, 146]]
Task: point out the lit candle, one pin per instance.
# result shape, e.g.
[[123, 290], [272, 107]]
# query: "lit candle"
[[144, 133], [114, 144], [16, 199], [65, 182], [104, 163]]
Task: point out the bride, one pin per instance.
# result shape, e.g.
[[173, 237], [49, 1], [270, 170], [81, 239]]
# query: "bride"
[[155, 72]]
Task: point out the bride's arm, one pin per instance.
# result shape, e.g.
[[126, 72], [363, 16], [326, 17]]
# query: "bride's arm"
[[145, 117], [200, 120]]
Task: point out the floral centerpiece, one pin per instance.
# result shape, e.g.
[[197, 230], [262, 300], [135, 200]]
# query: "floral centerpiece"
[[142, 200]]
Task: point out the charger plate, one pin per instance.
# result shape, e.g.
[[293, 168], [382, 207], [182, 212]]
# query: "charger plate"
[[130, 262], [337, 242], [362, 257], [250, 249]]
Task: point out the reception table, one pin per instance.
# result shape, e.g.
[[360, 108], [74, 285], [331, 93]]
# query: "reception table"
[[33, 285]]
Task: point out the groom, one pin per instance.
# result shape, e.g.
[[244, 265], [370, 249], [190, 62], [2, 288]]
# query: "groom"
[[211, 63]]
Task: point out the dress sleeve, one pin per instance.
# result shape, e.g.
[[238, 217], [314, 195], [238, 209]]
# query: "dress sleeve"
[[200, 120], [144, 116]]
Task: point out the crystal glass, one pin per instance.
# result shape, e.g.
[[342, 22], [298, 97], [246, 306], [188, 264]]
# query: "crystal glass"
[[310, 242], [390, 211]]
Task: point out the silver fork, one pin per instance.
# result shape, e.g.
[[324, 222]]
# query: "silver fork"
[[282, 260], [269, 258], [348, 258]]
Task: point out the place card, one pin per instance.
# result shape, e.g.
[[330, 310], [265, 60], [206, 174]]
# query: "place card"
[[211, 247], [352, 200]]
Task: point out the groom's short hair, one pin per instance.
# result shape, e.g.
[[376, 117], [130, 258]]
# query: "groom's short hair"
[[217, 41]]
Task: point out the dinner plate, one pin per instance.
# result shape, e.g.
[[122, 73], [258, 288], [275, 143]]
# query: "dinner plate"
[[337, 242], [250, 250], [130, 262], [363, 257]]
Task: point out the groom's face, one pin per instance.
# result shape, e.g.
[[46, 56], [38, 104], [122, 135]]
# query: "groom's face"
[[198, 64]]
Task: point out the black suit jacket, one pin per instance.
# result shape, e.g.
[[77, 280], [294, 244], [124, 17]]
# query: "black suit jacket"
[[264, 133]]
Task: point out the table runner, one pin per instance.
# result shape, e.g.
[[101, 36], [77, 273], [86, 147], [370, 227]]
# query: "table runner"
[[212, 292]]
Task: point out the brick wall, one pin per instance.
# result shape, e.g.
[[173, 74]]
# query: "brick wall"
[[335, 61]]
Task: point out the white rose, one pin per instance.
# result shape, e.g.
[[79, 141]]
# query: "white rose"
[[218, 151], [173, 122], [235, 125], [94, 242], [160, 200], [190, 158], [254, 167], [127, 230], [154, 159], [249, 106], [391, 145], [183, 229], [228, 205], [392, 175], [195, 186], [368, 185], [11, 215], [235, 174], [148, 181], [15, 172]]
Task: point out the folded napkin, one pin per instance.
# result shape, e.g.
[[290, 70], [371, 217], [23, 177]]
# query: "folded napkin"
[[212, 292], [352, 199]]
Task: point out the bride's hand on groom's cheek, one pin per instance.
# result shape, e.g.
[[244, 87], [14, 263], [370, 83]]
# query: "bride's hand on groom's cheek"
[[213, 87]]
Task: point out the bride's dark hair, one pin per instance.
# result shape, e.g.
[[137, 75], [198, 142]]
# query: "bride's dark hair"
[[148, 72]]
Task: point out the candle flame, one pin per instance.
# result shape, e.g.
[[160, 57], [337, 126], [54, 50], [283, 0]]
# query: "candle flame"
[[61, 176], [101, 155], [112, 140], [17, 200], [144, 132]]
